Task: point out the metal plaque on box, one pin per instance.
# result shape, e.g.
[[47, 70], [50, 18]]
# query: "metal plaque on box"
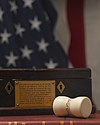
[[34, 94]]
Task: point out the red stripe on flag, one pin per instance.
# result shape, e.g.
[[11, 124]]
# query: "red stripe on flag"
[[75, 16]]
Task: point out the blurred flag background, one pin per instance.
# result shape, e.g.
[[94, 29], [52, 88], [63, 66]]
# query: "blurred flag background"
[[78, 30], [26, 35]]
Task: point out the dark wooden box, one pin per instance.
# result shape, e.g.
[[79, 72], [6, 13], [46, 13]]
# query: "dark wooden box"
[[71, 82]]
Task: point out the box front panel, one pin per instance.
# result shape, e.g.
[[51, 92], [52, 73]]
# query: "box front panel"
[[10, 92]]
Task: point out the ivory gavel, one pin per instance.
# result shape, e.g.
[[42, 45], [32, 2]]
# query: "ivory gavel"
[[79, 106]]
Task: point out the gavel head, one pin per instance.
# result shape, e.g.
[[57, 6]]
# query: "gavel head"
[[79, 106]]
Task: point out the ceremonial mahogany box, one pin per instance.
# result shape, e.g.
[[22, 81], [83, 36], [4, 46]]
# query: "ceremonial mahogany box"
[[30, 91]]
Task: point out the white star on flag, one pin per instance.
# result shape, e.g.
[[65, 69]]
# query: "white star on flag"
[[26, 52], [51, 64], [28, 3], [5, 36], [35, 24], [11, 59], [19, 30], [13, 7], [42, 45], [1, 14]]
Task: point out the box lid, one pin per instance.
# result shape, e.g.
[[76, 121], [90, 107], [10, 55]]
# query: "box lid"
[[45, 73]]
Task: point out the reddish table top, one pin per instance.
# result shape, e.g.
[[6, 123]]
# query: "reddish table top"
[[94, 119]]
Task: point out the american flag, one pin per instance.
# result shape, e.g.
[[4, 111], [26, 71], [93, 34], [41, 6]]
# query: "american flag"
[[26, 35]]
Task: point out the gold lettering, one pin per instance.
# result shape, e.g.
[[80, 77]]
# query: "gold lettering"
[[15, 123], [61, 122], [43, 122], [23, 123], [9, 123], [71, 123]]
